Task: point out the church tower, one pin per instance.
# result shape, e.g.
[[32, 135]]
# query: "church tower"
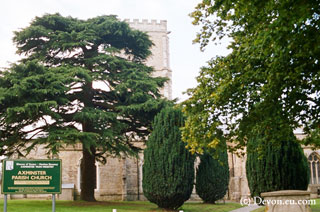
[[159, 59]]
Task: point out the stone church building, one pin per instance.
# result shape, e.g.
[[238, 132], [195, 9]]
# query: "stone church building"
[[121, 178]]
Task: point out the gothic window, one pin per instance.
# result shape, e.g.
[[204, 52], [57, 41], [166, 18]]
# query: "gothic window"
[[314, 164]]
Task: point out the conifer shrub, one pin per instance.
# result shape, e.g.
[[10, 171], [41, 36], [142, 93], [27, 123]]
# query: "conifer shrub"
[[273, 166], [212, 178], [168, 170]]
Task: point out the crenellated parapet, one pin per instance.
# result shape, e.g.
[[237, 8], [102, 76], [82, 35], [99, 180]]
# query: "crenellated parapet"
[[148, 25]]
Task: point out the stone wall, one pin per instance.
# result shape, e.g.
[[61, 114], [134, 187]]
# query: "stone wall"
[[121, 177]]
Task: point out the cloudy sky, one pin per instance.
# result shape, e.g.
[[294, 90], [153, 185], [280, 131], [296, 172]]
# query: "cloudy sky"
[[185, 57]]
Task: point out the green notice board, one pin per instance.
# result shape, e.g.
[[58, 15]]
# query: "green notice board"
[[31, 176]]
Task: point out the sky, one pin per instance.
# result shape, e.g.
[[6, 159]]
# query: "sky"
[[186, 59]]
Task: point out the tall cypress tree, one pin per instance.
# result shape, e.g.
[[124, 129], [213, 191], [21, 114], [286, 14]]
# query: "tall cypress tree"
[[212, 177], [168, 170], [271, 167]]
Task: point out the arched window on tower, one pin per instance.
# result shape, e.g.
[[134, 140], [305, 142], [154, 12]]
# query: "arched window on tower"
[[314, 164]]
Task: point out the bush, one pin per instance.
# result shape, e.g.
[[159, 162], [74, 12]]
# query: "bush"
[[276, 166], [168, 170], [212, 177]]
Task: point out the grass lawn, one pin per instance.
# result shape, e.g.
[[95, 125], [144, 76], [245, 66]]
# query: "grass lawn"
[[79, 206], [316, 207]]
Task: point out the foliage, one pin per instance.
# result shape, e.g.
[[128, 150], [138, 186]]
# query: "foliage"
[[279, 167], [274, 64], [313, 138], [212, 177], [79, 81], [168, 169]]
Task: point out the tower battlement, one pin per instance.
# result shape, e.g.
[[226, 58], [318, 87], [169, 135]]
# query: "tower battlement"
[[159, 60], [148, 25]]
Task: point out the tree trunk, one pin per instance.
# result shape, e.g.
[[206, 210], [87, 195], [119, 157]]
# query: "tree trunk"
[[88, 175], [88, 168]]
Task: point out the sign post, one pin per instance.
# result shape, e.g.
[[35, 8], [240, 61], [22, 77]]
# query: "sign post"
[[31, 177], [53, 203], [5, 203]]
